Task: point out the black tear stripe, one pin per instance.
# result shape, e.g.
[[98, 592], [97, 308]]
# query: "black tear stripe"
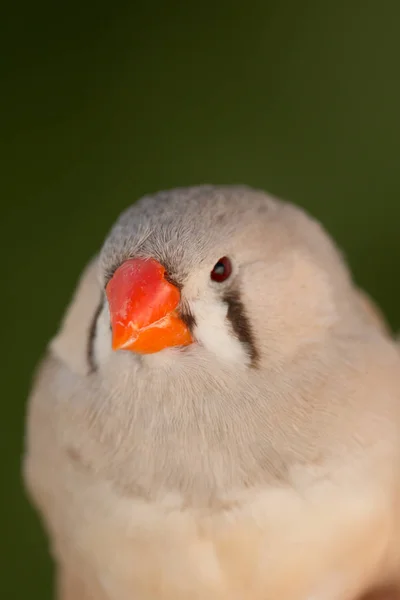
[[92, 333], [241, 324], [188, 318]]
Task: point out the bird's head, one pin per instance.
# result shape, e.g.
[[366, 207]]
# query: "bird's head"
[[225, 273]]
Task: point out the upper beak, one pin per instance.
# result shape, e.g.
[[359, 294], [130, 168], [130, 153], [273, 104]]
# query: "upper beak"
[[143, 306]]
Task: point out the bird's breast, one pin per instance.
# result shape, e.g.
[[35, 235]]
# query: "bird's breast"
[[272, 543]]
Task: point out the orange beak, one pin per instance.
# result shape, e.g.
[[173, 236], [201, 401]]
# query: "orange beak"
[[143, 308]]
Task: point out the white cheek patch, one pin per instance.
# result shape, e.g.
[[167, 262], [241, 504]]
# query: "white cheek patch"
[[214, 332], [102, 341]]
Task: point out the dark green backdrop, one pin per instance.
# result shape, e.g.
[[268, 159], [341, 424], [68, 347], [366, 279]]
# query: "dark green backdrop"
[[103, 103]]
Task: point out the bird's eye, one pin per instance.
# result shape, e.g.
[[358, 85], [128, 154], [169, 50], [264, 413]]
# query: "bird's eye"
[[222, 270]]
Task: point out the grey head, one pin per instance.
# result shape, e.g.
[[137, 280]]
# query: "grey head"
[[287, 276]]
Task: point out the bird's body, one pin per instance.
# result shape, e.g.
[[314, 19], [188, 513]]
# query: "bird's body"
[[259, 462]]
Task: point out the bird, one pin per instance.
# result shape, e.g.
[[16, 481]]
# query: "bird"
[[218, 415]]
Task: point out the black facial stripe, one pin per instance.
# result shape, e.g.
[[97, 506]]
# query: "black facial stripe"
[[188, 318], [241, 324], [91, 336]]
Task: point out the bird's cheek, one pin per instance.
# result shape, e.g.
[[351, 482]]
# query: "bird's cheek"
[[213, 331], [102, 338]]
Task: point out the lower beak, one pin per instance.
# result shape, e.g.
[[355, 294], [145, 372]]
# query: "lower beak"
[[143, 307]]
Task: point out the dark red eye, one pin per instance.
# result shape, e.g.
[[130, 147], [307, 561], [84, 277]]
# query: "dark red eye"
[[222, 270]]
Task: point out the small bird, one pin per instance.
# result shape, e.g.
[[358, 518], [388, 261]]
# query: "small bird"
[[218, 417]]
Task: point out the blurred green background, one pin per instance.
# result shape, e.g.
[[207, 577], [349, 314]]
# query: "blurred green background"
[[101, 103]]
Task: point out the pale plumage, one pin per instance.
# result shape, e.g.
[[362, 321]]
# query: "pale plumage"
[[261, 461]]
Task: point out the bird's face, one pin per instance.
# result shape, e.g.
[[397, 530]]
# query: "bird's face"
[[212, 320], [217, 274]]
